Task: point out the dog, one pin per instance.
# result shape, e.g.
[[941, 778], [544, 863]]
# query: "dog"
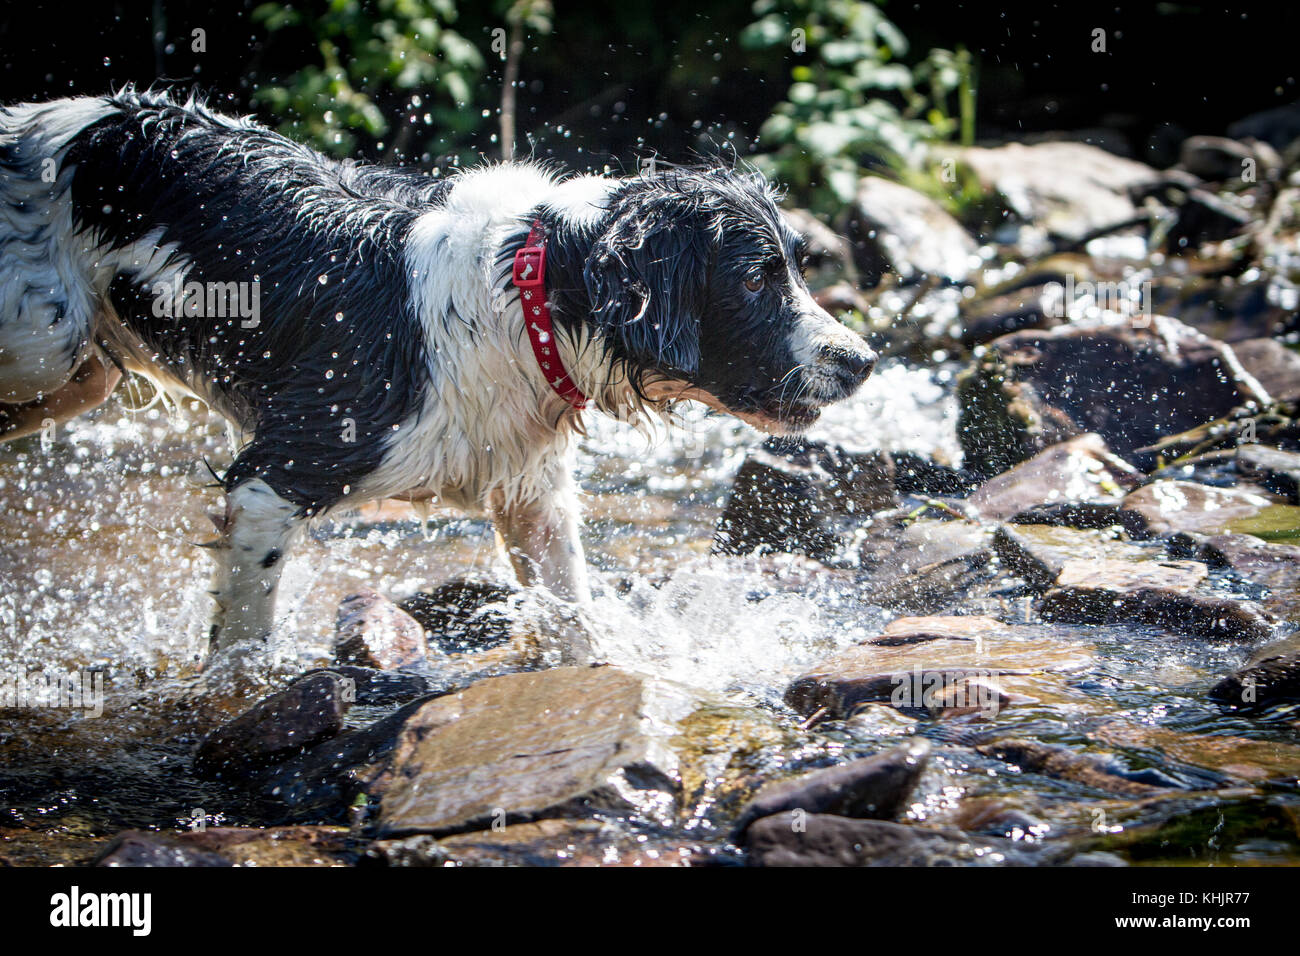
[[371, 331]]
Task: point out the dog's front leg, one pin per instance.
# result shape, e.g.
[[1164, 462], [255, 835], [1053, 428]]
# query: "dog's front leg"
[[540, 537], [257, 531]]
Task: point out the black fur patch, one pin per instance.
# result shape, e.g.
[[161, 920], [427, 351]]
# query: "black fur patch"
[[337, 353]]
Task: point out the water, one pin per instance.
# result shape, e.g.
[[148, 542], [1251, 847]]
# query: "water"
[[99, 570]]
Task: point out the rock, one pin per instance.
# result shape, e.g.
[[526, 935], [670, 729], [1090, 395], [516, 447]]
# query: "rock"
[[1204, 217], [917, 630], [372, 631], [1274, 366], [987, 661], [924, 565], [1216, 158], [1229, 759], [145, 848], [797, 496], [873, 787], [830, 255], [1166, 507], [1277, 126], [795, 839], [1071, 189], [1263, 563], [461, 616], [1165, 594], [1038, 552], [1031, 756], [371, 687], [1088, 515], [523, 747], [1081, 469], [1272, 676], [307, 712], [566, 843], [1130, 385], [1276, 470], [232, 846], [1231, 309], [910, 234], [324, 781], [918, 475]]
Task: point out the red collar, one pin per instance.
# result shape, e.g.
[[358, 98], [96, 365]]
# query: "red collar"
[[530, 279]]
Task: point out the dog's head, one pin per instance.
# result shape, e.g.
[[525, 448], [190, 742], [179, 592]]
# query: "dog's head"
[[695, 280]]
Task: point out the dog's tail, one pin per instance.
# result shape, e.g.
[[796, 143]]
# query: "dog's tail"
[[48, 306]]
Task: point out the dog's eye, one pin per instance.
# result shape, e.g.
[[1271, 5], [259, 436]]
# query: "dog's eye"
[[755, 282]]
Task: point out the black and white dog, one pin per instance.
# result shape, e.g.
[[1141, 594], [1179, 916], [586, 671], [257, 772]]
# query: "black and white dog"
[[373, 332]]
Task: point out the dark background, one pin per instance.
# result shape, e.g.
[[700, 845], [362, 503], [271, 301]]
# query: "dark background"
[[1171, 69]]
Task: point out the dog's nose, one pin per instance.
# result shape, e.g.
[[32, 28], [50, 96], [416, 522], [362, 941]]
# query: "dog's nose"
[[856, 364]]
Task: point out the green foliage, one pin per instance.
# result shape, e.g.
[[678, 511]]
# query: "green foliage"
[[388, 67], [853, 102]]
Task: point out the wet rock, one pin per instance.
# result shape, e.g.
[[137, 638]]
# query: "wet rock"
[[830, 255], [1086, 515], [371, 687], [555, 743], [1216, 158], [798, 496], [1071, 189], [1232, 309], [461, 616], [1130, 385], [1272, 676], [1263, 563], [232, 846], [1204, 216], [146, 848], [1165, 594], [1274, 366], [796, 839], [1232, 759], [1278, 126], [910, 234], [917, 630], [326, 780], [1276, 470], [1166, 507], [1081, 469], [46, 848], [1038, 552], [1031, 756], [918, 475], [565, 843], [307, 712], [875, 787], [372, 631], [986, 661], [924, 565]]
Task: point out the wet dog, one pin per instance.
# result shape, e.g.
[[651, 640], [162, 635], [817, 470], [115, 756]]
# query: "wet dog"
[[373, 332]]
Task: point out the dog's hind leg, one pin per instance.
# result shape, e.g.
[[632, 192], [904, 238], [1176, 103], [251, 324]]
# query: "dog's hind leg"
[[89, 387], [257, 532]]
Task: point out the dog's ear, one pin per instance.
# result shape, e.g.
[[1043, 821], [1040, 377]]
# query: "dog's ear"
[[645, 277]]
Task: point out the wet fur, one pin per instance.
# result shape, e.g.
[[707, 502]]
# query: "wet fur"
[[390, 357]]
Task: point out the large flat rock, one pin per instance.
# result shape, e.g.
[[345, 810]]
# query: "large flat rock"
[[527, 746]]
